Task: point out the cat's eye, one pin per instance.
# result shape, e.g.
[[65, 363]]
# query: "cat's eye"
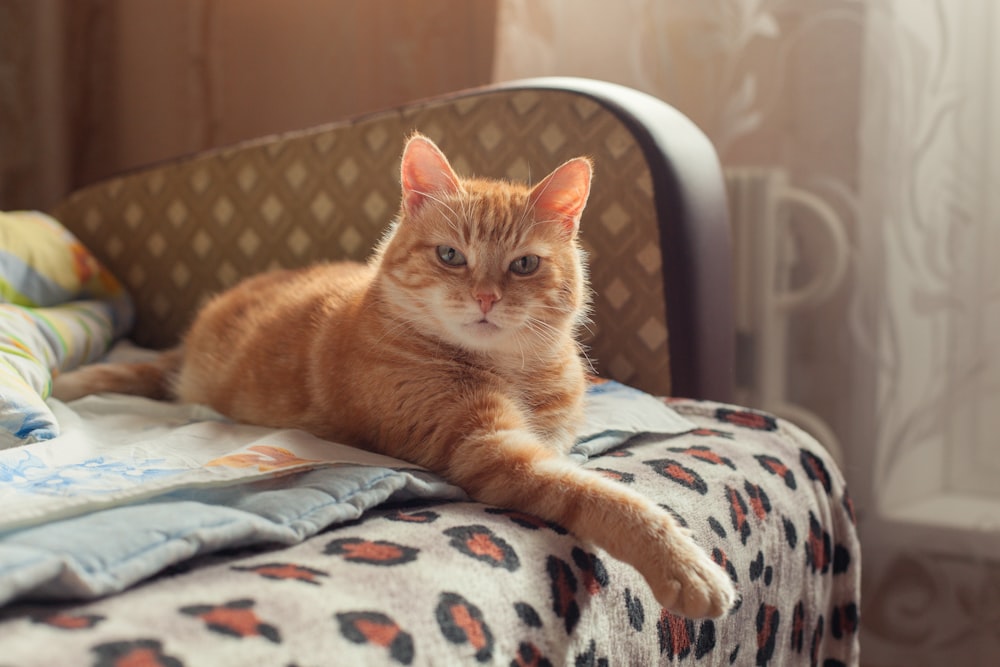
[[450, 256], [524, 266]]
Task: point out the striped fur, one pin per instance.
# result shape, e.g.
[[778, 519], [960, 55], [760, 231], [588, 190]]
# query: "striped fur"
[[470, 368]]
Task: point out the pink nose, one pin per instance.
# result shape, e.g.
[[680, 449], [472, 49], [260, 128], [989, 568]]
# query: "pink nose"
[[486, 301]]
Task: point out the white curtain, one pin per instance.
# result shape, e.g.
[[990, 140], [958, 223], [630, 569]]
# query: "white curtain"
[[888, 110], [925, 317]]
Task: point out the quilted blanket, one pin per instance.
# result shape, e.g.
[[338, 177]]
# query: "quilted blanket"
[[59, 308]]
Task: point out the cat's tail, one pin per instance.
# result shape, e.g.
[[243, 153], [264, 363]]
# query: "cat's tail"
[[153, 379]]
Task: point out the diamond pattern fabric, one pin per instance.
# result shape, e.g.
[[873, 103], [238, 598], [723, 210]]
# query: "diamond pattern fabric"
[[179, 232]]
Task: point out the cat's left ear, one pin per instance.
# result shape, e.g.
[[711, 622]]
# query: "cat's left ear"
[[425, 173], [563, 194]]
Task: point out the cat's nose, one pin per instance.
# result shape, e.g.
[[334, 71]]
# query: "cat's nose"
[[486, 300]]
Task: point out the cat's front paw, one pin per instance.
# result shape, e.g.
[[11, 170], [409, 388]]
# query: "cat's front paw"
[[695, 585]]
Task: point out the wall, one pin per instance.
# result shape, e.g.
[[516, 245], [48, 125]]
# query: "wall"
[[137, 81]]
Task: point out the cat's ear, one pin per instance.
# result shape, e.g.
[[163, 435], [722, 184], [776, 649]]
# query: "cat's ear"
[[562, 195], [425, 173]]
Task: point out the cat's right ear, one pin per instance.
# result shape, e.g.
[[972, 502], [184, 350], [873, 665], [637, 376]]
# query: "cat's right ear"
[[425, 173]]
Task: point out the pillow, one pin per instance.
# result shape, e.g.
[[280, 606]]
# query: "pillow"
[[59, 308]]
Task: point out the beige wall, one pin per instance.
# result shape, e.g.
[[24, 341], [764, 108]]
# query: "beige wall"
[[139, 81]]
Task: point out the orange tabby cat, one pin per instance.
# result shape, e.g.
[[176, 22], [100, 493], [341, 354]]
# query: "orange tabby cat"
[[453, 348]]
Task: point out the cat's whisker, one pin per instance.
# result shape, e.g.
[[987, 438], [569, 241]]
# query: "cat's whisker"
[[549, 334], [453, 220], [544, 331], [535, 349], [544, 221], [518, 338], [547, 325], [434, 198], [525, 213], [584, 322], [582, 350], [398, 326], [566, 310]]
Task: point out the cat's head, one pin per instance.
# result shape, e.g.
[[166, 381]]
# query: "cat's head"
[[486, 265]]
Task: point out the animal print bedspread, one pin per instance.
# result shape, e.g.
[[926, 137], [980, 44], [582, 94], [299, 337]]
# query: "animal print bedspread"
[[448, 583]]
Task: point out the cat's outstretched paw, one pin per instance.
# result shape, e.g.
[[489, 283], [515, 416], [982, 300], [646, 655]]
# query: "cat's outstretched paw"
[[696, 586]]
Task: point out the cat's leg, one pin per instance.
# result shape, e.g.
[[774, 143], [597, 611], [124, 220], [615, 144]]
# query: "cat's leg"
[[512, 469]]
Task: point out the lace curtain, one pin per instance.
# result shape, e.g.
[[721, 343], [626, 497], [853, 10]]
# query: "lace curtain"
[[889, 111]]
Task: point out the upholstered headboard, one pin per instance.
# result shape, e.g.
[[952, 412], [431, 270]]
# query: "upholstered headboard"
[[655, 226]]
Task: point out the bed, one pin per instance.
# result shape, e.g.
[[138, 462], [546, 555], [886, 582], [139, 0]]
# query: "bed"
[[145, 533]]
